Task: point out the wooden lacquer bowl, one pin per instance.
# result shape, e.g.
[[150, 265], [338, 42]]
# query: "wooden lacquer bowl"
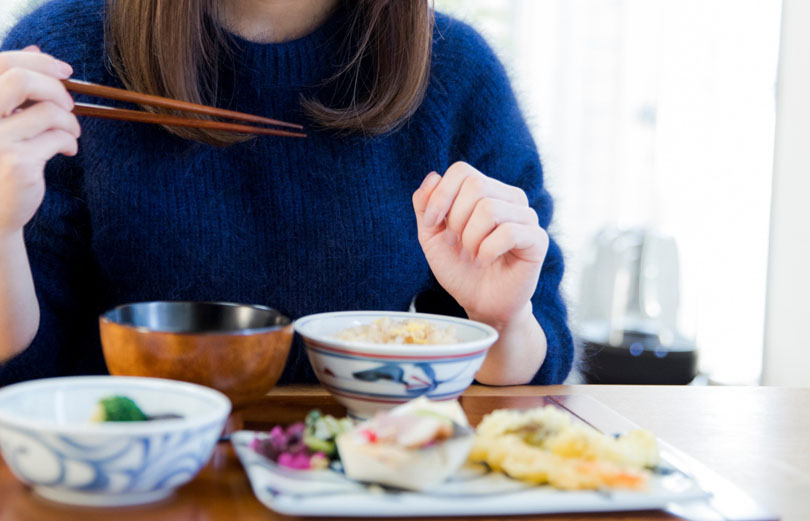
[[234, 348]]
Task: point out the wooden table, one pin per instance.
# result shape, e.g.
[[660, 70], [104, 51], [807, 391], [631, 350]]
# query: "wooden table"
[[758, 438]]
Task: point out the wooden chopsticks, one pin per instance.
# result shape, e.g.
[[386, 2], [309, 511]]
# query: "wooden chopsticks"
[[102, 91]]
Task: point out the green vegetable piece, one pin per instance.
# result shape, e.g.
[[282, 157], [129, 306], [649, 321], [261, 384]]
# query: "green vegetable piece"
[[316, 444], [321, 431], [119, 409]]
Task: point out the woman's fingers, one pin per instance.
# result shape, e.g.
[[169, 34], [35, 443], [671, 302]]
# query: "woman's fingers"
[[469, 207], [464, 185], [421, 197], [35, 120], [32, 58], [48, 144], [525, 241], [445, 192], [487, 215], [24, 160], [35, 124], [18, 85], [475, 189]]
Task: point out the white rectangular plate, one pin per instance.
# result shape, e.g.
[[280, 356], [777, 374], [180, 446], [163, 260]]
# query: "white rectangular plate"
[[472, 491]]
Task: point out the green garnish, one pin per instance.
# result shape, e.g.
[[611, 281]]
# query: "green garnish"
[[118, 409], [321, 431]]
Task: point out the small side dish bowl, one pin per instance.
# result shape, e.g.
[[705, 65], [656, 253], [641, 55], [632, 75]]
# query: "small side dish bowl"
[[366, 377], [49, 441], [238, 349]]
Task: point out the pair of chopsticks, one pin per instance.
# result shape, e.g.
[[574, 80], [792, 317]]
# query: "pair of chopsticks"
[[102, 91]]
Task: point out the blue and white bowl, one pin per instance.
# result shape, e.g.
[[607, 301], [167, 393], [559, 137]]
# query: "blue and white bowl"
[[48, 440], [367, 377]]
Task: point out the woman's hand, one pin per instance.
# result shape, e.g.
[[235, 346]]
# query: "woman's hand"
[[36, 123], [482, 241]]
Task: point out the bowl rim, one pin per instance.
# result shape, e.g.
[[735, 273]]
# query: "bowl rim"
[[410, 350], [217, 413], [287, 322]]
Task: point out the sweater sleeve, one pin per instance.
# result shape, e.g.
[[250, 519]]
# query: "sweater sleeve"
[[58, 245], [492, 135]]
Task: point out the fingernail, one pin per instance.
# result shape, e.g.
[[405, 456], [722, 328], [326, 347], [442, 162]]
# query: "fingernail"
[[430, 217], [450, 237], [465, 255], [428, 180], [64, 69]]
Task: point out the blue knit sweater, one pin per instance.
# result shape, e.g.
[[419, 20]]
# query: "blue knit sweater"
[[305, 226]]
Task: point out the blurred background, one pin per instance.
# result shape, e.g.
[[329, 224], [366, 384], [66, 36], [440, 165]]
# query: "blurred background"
[[657, 114], [656, 122]]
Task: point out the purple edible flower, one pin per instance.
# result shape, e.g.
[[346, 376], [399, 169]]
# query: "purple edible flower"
[[294, 461], [301, 461], [284, 446]]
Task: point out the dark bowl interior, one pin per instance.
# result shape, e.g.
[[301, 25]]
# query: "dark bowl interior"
[[197, 317]]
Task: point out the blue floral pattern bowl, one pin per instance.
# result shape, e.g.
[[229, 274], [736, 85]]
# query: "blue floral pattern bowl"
[[49, 441], [366, 377]]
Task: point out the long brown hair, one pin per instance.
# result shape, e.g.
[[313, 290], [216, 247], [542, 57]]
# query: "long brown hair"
[[171, 48]]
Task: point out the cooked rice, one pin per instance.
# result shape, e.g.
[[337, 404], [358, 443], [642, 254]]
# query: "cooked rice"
[[409, 331]]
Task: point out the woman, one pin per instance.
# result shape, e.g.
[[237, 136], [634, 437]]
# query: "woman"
[[356, 216]]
